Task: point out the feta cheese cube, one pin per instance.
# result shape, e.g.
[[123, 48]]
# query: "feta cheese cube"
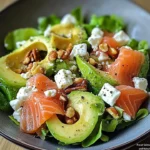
[[80, 49], [94, 41], [126, 117], [97, 32], [140, 83], [24, 93], [47, 32], [17, 114], [50, 93], [20, 43], [103, 56], [121, 37], [64, 78], [109, 94], [68, 19], [26, 75], [15, 104], [95, 38]]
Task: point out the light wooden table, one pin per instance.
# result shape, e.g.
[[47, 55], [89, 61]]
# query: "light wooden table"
[[7, 145]]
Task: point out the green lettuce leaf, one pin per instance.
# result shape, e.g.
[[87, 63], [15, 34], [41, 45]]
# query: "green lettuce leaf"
[[133, 44], [88, 28], [18, 35], [143, 45], [4, 103], [94, 136], [108, 23], [109, 125], [43, 22], [104, 138], [7, 94], [78, 15]]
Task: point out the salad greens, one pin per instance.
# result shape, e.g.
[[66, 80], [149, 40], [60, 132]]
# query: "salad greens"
[[7, 93], [18, 35], [95, 135], [78, 15], [110, 23], [83, 71], [43, 22]]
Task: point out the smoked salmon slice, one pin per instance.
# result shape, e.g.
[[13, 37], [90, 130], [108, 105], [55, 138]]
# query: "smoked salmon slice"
[[41, 82], [130, 99], [38, 108], [126, 66]]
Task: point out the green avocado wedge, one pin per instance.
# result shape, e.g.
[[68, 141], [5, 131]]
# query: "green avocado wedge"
[[13, 61], [64, 34], [95, 77], [89, 108]]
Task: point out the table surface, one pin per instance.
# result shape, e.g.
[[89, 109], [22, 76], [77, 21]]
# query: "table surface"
[[7, 145]]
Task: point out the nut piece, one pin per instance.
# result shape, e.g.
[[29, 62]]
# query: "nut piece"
[[52, 56], [113, 51], [60, 53], [103, 47], [69, 121], [78, 80], [69, 48], [70, 112], [29, 66], [74, 119], [26, 61], [92, 61], [62, 98], [113, 112]]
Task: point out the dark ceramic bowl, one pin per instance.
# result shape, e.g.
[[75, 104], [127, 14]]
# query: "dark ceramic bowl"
[[25, 14]]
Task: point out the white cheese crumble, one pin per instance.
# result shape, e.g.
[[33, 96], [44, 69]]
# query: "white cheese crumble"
[[95, 38], [64, 78], [126, 117], [68, 19], [140, 83], [81, 50], [128, 47], [22, 95], [121, 37], [97, 32], [17, 114], [20, 43], [26, 75], [47, 32], [103, 56], [50, 93], [109, 94]]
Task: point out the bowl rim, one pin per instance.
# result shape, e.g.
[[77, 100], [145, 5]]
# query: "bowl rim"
[[121, 146]]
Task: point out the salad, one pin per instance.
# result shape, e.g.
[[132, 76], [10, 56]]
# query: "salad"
[[75, 81]]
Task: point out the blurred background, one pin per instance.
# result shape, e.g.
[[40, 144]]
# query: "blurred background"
[[6, 145]]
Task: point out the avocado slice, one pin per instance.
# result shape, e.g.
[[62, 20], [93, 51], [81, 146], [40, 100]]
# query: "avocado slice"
[[96, 77], [63, 34], [89, 108], [14, 60]]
